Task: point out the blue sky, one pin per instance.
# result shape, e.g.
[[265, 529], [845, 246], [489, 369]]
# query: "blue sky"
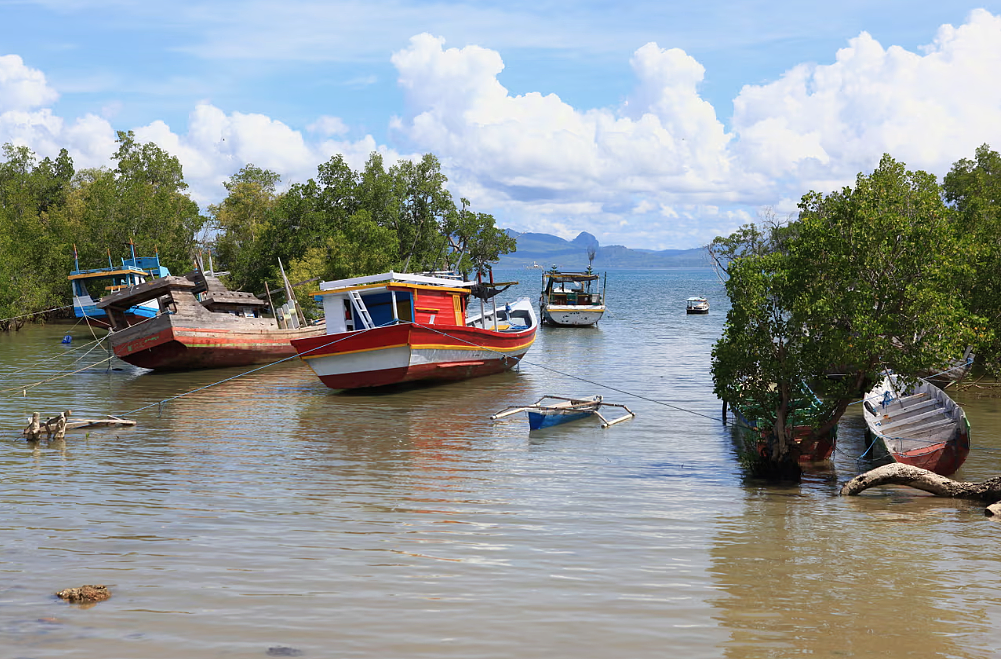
[[649, 124]]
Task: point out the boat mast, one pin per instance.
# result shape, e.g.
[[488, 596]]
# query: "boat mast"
[[494, 298]]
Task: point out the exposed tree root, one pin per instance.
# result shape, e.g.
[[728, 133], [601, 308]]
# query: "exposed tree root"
[[988, 491]]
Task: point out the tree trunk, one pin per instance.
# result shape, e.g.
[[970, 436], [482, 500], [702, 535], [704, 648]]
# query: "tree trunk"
[[989, 491]]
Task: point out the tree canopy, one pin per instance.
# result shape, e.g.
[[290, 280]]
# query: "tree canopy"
[[865, 279], [339, 224]]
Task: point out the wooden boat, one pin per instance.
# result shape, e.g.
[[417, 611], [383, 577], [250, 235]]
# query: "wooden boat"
[[394, 327], [199, 324], [697, 305], [917, 425], [89, 286], [805, 406], [572, 299], [952, 373], [567, 409]]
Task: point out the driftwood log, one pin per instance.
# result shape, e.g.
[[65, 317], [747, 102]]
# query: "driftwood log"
[[989, 491]]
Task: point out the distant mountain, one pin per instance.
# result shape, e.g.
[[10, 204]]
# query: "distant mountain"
[[546, 250]]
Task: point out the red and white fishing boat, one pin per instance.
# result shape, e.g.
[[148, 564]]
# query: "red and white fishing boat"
[[390, 328]]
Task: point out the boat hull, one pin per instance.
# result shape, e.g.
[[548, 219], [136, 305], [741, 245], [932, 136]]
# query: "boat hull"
[[700, 312], [918, 426], [548, 418], [944, 458], [408, 352], [570, 316], [809, 449], [160, 344]]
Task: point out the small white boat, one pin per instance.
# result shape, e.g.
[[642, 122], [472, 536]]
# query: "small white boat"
[[919, 425], [699, 305], [571, 299]]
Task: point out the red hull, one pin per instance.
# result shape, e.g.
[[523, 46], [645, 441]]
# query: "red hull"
[[185, 348], [409, 352], [943, 459]]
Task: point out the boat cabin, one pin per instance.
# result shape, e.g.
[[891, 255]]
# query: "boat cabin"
[[698, 305], [391, 298], [571, 288]]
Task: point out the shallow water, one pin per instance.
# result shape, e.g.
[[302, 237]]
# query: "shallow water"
[[268, 514]]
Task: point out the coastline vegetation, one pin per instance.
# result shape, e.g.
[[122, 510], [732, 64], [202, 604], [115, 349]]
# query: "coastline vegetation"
[[899, 272], [342, 223]]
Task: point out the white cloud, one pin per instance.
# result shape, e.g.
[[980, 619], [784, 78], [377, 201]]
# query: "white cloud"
[[23, 88], [819, 125], [329, 126], [538, 156], [217, 145], [659, 170]]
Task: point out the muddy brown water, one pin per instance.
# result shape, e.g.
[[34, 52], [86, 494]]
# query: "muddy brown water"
[[269, 516]]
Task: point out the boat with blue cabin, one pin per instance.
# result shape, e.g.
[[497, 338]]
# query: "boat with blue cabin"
[[89, 286]]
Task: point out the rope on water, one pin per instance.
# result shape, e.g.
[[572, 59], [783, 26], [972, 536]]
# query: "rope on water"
[[34, 313], [159, 404], [575, 377]]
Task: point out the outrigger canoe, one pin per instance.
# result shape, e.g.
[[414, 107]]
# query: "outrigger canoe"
[[564, 411]]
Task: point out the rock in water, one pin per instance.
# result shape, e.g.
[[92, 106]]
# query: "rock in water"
[[85, 594]]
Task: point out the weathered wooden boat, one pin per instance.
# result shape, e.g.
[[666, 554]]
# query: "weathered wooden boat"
[[199, 324], [951, 373], [89, 286], [916, 424], [394, 327], [567, 409], [805, 406], [571, 299], [697, 305]]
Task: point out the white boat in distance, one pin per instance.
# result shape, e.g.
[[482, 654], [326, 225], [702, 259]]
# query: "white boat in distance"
[[698, 305], [572, 299]]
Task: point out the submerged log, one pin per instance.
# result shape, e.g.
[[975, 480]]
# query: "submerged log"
[[989, 491]]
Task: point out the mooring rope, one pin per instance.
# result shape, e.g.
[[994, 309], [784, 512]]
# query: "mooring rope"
[[160, 403], [34, 313]]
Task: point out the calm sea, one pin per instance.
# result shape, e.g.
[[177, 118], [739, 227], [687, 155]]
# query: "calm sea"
[[269, 516]]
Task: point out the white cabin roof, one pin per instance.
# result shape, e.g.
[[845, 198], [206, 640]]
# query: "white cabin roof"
[[391, 277]]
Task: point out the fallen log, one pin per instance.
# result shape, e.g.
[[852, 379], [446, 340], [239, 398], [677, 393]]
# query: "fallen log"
[[57, 426], [988, 491]]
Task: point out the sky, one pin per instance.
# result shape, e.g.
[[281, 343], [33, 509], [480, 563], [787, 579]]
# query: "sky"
[[650, 124]]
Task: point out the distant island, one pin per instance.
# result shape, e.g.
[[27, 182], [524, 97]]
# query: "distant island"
[[545, 250]]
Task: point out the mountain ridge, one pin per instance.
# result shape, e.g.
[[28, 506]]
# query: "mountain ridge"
[[546, 250]]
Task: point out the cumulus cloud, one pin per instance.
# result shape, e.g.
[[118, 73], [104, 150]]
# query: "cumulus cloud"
[[537, 153], [819, 125], [217, 145], [24, 88], [658, 170]]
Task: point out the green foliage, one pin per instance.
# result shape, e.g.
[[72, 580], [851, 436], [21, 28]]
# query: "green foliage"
[[973, 187], [345, 223], [868, 278]]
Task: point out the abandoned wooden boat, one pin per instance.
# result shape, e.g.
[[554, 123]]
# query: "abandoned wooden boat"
[[571, 299], [697, 305], [199, 324], [918, 425], [393, 327], [567, 409], [89, 286], [805, 407], [951, 373]]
